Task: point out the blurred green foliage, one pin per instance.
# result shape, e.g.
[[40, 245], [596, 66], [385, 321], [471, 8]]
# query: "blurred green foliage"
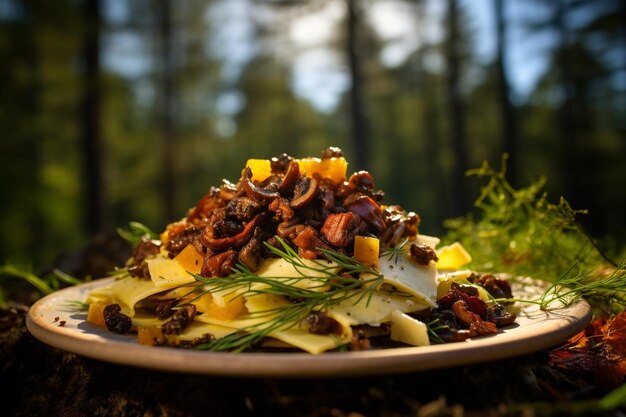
[[519, 230], [42, 209]]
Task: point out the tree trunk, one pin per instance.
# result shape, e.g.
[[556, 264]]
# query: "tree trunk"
[[168, 110], [91, 116], [568, 140], [357, 113], [510, 139], [432, 148], [457, 117]]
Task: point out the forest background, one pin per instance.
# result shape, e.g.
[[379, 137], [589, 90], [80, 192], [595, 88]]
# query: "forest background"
[[112, 111]]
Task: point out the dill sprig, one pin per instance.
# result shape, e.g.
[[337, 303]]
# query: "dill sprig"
[[329, 282], [433, 328], [76, 305], [67, 278], [606, 290], [135, 232], [393, 254], [119, 272], [43, 285]]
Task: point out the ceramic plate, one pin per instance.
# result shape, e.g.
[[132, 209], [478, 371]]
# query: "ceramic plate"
[[53, 322]]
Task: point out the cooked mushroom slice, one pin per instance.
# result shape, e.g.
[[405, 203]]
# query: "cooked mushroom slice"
[[219, 265], [250, 254], [236, 241], [255, 192], [242, 208], [301, 199], [291, 176]]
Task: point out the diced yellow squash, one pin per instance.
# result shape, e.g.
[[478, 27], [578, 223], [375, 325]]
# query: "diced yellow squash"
[[333, 169], [261, 169], [366, 250], [148, 335], [203, 303], [190, 259], [167, 273], [95, 297], [452, 257], [232, 308], [95, 314]]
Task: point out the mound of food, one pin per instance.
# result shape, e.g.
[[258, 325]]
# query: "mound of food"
[[296, 255]]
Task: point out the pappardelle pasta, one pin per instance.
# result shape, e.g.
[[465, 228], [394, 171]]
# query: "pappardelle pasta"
[[296, 255]]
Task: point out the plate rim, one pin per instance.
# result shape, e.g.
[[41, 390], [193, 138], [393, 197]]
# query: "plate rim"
[[560, 324]]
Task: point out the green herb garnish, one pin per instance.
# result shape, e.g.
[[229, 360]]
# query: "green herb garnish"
[[43, 285], [606, 290], [393, 254], [338, 275], [76, 305], [433, 328], [135, 232]]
